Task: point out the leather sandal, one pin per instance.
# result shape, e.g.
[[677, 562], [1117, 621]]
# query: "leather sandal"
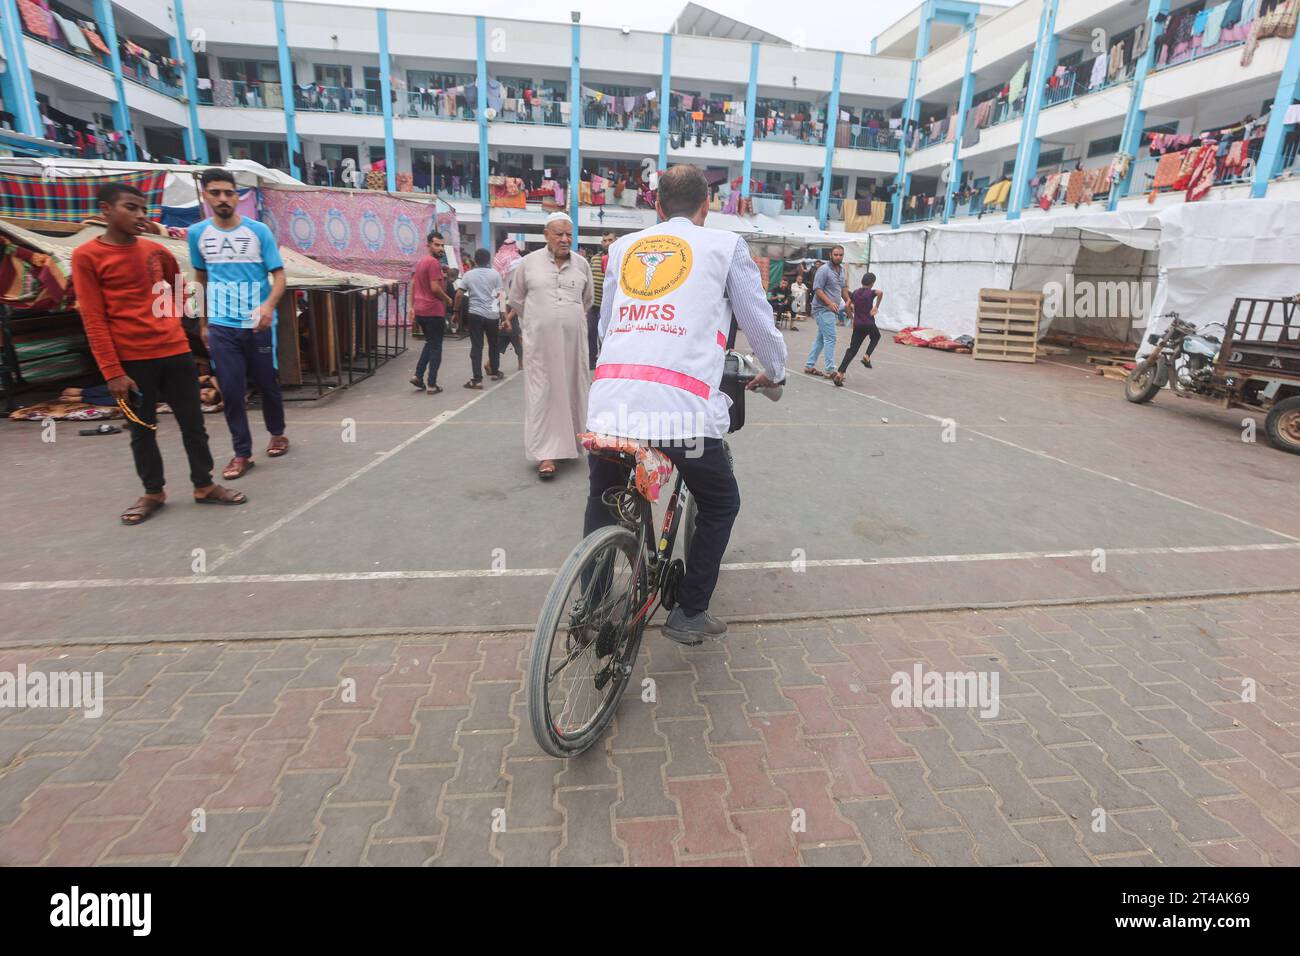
[[217, 495], [277, 447], [142, 510], [237, 468]]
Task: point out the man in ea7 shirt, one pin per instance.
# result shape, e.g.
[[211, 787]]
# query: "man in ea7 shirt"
[[240, 265]]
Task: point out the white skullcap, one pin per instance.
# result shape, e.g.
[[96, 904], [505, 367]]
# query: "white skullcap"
[[559, 217]]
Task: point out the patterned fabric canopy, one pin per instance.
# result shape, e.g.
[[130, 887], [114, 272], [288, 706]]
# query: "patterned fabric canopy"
[[69, 198]]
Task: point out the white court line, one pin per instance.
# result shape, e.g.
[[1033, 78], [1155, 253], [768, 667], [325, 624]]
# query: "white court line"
[[1070, 464], [379, 459], [459, 574]]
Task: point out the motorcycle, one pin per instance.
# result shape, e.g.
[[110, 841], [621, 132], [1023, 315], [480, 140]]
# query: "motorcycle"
[[1183, 358]]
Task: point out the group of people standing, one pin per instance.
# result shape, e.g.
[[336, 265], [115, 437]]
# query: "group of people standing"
[[555, 289], [129, 293]]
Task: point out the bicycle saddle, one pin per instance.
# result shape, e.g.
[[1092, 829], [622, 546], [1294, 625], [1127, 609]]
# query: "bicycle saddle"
[[653, 467]]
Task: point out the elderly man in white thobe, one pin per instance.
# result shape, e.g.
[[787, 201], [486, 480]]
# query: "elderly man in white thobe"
[[553, 290]]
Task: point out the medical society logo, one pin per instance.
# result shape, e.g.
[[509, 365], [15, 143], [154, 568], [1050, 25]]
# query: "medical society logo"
[[655, 266]]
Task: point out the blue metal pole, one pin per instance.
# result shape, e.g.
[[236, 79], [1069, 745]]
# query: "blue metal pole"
[[832, 125], [480, 75], [910, 110], [963, 107], [121, 112], [1027, 156], [287, 91], [1130, 140], [18, 87], [665, 93], [386, 91], [1270, 153], [751, 104], [575, 124], [196, 144]]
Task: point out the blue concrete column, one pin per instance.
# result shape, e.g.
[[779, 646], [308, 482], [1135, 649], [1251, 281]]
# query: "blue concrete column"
[[832, 126], [386, 91], [751, 104], [287, 92], [1044, 60], [665, 94], [1270, 153], [196, 144], [575, 124], [121, 112], [911, 111], [17, 80], [963, 107], [480, 106], [1131, 139]]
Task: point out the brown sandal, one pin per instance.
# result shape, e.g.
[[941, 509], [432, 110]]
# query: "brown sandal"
[[277, 447], [142, 510], [237, 468], [544, 472], [218, 495]]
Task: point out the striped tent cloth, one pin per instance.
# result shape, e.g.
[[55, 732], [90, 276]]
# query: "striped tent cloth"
[[69, 198]]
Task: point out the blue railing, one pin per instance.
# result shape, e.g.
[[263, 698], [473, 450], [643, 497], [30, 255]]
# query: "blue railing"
[[598, 115], [337, 99], [243, 95], [883, 140]]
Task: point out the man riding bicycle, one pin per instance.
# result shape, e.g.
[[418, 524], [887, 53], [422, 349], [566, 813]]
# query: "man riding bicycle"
[[670, 292]]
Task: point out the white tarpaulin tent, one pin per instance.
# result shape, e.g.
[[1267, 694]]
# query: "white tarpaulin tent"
[[1210, 253], [1195, 258]]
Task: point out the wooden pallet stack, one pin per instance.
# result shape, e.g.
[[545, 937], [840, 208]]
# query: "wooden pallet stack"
[[1006, 325]]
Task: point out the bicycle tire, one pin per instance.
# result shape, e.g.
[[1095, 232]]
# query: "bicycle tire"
[[548, 626]]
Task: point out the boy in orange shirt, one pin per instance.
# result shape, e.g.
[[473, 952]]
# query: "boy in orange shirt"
[[125, 293]]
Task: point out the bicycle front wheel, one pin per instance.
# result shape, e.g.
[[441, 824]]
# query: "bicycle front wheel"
[[585, 644]]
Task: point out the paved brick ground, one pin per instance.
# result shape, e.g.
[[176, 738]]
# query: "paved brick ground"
[[1132, 710]]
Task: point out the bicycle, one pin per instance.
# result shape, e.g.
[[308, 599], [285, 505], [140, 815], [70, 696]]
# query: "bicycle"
[[623, 574]]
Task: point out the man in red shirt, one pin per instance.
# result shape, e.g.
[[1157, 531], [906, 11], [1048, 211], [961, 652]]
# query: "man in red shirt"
[[429, 301], [126, 295]]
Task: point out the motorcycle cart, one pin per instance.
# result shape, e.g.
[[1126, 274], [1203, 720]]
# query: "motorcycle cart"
[[1256, 365]]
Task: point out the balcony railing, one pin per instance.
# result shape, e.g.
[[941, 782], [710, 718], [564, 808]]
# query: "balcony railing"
[[1077, 86], [1005, 112], [175, 90], [1143, 175], [432, 105], [241, 94], [922, 211], [1289, 166], [774, 204], [337, 99], [598, 115], [882, 140], [1228, 39]]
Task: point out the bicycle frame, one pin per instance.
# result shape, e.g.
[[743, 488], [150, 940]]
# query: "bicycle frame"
[[657, 558]]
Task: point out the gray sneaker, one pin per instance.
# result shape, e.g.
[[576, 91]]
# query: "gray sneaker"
[[692, 630]]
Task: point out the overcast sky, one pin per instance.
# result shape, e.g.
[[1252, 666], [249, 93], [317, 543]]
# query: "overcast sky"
[[827, 24]]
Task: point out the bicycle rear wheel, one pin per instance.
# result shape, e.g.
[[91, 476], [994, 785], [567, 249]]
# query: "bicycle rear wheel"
[[584, 647]]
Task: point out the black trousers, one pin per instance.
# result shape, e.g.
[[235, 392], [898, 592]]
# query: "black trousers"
[[709, 477], [860, 332], [593, 335], [514, 338], [173, 380], [481, 327]]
